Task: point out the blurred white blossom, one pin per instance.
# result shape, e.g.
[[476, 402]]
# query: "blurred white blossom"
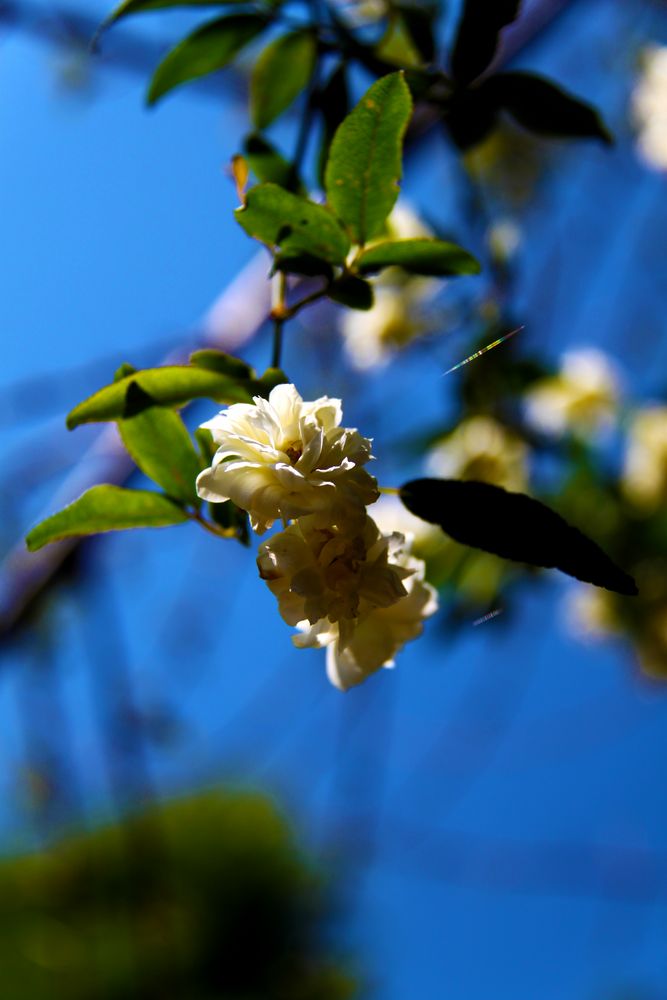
[[481, 448], [398, 315], [649, 107], [589, 613], [284, 457], [582, 398], [645, 469], [390, 514], [503, 238]]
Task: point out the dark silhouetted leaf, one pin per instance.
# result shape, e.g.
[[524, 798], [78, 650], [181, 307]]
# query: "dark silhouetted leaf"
[[542, 107], [210, 48], [419, 256], [219, 361], [173, 385], [352, 292], [364, 165], [159, 443], [279, 75], [513, 526], [304, 264], [279, 218], [106, 508], [333, 103], [477, 36], [469, 116]]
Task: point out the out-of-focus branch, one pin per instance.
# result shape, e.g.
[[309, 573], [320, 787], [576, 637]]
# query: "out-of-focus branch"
[[232, 320]]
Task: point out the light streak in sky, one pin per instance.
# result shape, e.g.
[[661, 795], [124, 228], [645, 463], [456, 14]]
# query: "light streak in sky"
[[483, 350]]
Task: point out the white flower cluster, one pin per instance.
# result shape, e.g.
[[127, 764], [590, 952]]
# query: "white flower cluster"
[[649, 107], [342, 582]]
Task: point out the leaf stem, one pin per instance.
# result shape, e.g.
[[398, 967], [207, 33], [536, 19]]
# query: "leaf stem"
[[212, 528], [393, 490], [279, 314]]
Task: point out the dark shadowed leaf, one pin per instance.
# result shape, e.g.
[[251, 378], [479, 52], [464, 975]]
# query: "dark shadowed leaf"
[[469, 116], [355, 293], [397, 47], [219, 361], [279, 218], [513, 526], [159, 443], [268, 164], [304, 264], [173, 385], [542, 107], [419, 256], [210, 48], [364, 165], [141, 6], [419, 22], [477, 36], [333, 103], [106, 508], [279, 75]]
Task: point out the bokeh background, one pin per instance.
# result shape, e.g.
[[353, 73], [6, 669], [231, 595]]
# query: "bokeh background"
[[488, 818]]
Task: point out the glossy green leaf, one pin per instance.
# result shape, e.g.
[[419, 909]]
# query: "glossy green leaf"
[[160, 445], [514, 526], [141, 6], [353, 292], [219, 361], [419, 256], [106, 508], [364, 168], [477, 36], [173, 385], [210, 48], [279, 75], [542, 107], [282, 219]]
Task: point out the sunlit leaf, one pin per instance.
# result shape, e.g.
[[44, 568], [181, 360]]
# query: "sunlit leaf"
[[514, 526], [162, 448], [219, 361], [173, 385], [477, 36], [542, 107], [106, 508], [279, 75], [210, 48], [419, 256], [364, 165], [282, 219], [353, 292]]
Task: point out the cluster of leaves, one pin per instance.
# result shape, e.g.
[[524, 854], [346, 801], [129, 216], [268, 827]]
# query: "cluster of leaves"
[[206, 897]]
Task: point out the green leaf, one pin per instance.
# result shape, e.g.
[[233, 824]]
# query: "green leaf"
[[419, 256], [141, 6], [269, 165], [353, 292], [514, 526], [477, 36], [219, 361], [364, 165], [279, 218], [304, 264], [106, 508], [279, 75], [159, 443], [542, 107], [173, 385], [206, 50], [396, 45]]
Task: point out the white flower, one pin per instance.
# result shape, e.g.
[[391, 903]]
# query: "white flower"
[[324, 573], [284, 457], [374, 639], [645, 469], [582, 398], [481, 448], [649, 107], [391, 515]]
